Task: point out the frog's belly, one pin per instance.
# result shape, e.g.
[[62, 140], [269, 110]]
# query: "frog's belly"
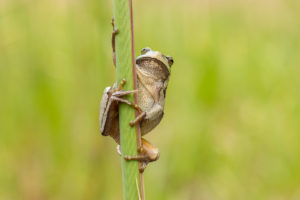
[[145, 100], [146, 103], [147, 125]]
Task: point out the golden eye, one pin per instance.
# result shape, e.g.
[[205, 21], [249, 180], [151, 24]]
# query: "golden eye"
[[170, 60]]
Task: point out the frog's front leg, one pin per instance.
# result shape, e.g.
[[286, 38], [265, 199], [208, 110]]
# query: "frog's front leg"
[[142, 114], [150, 118], [117, 95], [147, 153]]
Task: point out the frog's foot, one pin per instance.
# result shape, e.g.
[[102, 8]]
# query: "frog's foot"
[[142, 165], [113, 39], [118, 92], [147, 153]]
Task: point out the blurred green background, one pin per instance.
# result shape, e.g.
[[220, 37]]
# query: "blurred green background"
[[232, 118]]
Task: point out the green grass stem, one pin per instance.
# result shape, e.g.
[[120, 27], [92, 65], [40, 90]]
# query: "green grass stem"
[[125, 60]]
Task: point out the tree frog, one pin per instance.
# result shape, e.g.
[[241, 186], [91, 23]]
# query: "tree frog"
[[153, 72]]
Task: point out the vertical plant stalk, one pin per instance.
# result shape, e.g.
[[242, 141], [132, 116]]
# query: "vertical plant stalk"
[[138, 129], [130, 137]]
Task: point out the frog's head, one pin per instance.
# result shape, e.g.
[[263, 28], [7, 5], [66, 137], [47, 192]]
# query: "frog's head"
[[155, 61]]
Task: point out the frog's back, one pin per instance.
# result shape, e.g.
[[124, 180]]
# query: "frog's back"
[[109, 116]]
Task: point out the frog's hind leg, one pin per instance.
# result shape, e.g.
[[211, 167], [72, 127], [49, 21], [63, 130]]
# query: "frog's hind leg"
[[142, 159], [147, 153]]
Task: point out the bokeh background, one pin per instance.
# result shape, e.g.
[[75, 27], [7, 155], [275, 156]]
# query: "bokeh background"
[[232, 118]]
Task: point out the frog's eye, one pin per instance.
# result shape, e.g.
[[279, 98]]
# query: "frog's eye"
[[170, 60], [145, 50]]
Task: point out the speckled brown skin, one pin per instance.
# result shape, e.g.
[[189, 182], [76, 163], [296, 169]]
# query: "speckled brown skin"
[[153, 72]]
